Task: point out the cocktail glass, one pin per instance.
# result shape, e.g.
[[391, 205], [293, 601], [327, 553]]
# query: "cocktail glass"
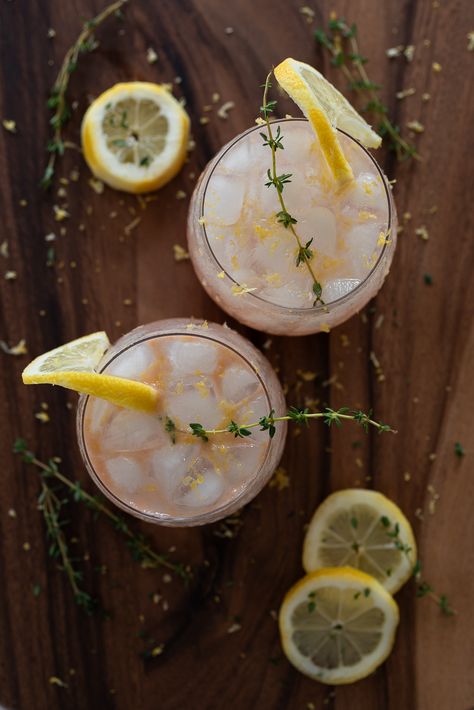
[[152, 466], [246, 259]]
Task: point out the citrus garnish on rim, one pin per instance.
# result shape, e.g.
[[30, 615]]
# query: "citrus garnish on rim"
[[73, 366], [326, 109], [363, 529], [338, 625], [134, 136]]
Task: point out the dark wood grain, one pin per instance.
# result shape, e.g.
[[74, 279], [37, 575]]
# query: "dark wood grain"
[[424, 344]]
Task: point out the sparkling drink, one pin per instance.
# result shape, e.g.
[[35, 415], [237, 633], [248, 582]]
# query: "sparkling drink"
[[152, 466], [246, 260]]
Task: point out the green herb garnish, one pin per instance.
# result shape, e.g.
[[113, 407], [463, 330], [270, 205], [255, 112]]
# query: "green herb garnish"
[[274, 142], [57, 491], [296, 415], [340, 40], [57, 101]]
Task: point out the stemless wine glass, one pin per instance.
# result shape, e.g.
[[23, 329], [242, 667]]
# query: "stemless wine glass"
[[153, 466], [246, 259]]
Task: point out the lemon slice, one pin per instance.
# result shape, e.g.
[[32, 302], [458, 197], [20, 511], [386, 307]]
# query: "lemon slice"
[[134, 136], [326, 109], [72, 366], [365, 530], [338, 625]]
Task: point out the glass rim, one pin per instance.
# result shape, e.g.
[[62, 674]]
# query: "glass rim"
[[318, 308], [163, 518]]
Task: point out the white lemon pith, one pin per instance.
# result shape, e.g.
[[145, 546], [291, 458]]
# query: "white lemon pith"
[[135, 136], [326, 109], [72, 366], [365, 530], [338, 625]]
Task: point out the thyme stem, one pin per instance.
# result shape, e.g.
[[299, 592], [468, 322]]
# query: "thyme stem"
[[50, 504], [359, 81], [57, 101], [304, 253], [297, 415], [99, 507]]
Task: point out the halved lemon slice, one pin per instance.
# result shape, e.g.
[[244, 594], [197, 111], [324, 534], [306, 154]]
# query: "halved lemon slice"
[[365, 530], [338, 625], [326, 109], [72, 366], [134, 136]]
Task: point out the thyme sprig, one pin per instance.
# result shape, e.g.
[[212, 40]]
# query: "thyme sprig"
[[423, 589], [57, 490], [341, 42], [50, 504], [274, 142], [298, 416], [57, 101]]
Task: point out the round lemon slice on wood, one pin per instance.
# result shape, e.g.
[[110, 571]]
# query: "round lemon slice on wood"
[[326, 109], [72, 366], [135, 136], [338, 625], [365, 530]]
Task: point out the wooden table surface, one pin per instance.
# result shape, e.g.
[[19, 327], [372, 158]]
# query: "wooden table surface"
[[106, 278]]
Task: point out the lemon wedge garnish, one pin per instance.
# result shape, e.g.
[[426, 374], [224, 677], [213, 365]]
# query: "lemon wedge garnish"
[[365, 530], [72, 366], [326, 109], [135, 136], [338, 625]]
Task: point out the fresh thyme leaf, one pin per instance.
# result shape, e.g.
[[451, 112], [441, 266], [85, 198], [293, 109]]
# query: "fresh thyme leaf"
[[304, 253], [318, 290], [146, 160], [55, 147], [321, 37], [238, 431], [268, 107], [459, 450], [170, 427], [338, 60], [199, 431], [47, 178], [354, 523], [268, 424], [332, 416], [416, 569], [444, 605], [423, 589], [298, 415], [366, 85], [285, 218], [50, 256]]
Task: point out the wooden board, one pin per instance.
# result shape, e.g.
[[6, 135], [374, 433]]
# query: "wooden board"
[[421, 334]]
